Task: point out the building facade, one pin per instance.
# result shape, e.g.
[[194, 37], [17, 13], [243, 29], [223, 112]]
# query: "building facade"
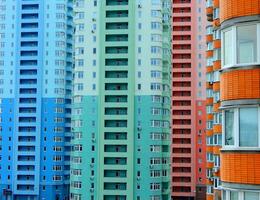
[[36, 44], [121, 105], [234, 77], [188, 100]]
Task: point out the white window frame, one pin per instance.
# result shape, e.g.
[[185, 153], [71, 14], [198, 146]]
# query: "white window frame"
[[236, 129], [234, 62], [240, 194]]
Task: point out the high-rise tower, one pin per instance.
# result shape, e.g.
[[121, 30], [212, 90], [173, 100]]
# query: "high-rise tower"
[[234, 94], [188, 100], [121, 106], [35, 95]]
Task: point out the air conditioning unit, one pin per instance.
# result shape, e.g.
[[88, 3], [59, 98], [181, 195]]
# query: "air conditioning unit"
[[139, 128], [91, 190], [93, 19], [138, 178], [92, 178], [151, 166], [93, 140], [92, 31], [91, 165], [139, 6]]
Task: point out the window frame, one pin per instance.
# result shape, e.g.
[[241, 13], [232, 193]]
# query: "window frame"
[[236, 128], [241, 194], [234, 53]]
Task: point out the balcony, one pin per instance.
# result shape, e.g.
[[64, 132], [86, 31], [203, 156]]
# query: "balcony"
[[115, 136], [115, 173], [116, 74], [117, 13], [116, 123], [117, 62], [28, 91], [114, 186], [117, 26], [115, 148], [30, 7], [116, 50], [116, 99], [116, 2], [116, 86], [115, 111], [115, 161], [117, 38], [27, 100], [28, 81]]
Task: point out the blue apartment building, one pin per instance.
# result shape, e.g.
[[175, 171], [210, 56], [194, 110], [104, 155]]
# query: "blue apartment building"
[[36, 61]]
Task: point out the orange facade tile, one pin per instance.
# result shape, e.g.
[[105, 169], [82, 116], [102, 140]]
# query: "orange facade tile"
[[209, 11], [216, 86], [238, 8], [209, 69], [217, 44], [238, 167], [217, 65], [209, 54], [217, 128], [209, 133], [209, 101], [209, 197], [216, 149], [216, 3], [216, 107], [209, 38], [240, 84]]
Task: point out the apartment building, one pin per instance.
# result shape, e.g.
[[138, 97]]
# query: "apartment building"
[[121, 104], [35, 95], [188, 100], [233, 100]]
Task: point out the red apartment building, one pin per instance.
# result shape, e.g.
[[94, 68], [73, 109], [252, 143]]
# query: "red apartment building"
[[188, 100]]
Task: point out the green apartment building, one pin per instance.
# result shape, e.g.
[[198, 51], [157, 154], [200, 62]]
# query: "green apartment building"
[[122, 97]]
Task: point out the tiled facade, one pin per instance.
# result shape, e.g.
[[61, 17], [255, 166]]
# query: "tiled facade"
[[233, 77]]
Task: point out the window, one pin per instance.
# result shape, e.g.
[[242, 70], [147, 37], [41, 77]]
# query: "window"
[[233, 195], [241, 45], [229, 127], [227, 35], [247, 44], [251, 195], [240, 195], [248, 127], [241, 127]]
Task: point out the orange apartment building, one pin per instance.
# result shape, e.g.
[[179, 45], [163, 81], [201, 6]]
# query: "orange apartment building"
[[188, 100], [233, 99]]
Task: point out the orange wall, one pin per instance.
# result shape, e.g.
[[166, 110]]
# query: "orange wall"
[[240, 167], [240, 84], [238, 8]]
